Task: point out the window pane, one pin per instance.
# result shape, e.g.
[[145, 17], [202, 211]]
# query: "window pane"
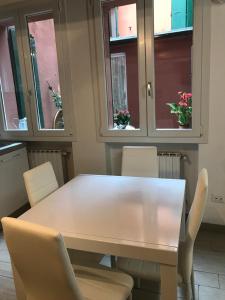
[[119, 80], [173, 74], [11, 91], [45, 71], [121, 63]]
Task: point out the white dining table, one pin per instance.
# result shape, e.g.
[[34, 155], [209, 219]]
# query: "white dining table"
[[134, 217]]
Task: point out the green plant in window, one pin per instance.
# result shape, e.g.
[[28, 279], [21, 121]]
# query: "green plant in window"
[[122, 118], [183, 108], [56, 97]]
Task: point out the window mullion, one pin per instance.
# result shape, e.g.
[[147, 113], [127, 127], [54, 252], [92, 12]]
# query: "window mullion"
[[150, 73]]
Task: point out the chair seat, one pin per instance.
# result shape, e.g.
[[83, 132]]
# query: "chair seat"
[[84, 258], [141, 269], [102, 284]]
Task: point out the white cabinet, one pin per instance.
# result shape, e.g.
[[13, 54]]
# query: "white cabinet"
[[12, 189]]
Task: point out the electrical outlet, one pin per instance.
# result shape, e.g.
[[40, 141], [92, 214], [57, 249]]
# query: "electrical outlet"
[[217, 198]]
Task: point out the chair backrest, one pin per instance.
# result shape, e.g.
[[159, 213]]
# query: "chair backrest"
[[40, 259], [193, 223], [140, 161], [40, 182]]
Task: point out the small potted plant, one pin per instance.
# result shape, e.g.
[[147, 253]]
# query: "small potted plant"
[[121, 118], [58, 122], [182, 109]]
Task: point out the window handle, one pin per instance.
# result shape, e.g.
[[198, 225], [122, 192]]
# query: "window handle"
[[149, 89]]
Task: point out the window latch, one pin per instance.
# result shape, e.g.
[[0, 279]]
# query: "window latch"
[[149, 89]]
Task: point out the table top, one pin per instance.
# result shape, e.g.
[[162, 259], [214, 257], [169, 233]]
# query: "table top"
[[119, 215]]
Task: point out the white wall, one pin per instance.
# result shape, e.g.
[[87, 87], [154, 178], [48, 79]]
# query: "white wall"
[[212, 155], [89, 155]]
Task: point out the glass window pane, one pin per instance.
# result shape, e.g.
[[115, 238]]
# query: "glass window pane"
[[173, 60], [11, 90], [121, 63], [45, 71], [119, 80]]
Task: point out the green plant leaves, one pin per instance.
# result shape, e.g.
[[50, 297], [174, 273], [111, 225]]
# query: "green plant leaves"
[[183, 113]]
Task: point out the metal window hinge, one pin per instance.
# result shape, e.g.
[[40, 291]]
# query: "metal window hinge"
[[59, 5], [201, 130], [101, 131], [149, 89]]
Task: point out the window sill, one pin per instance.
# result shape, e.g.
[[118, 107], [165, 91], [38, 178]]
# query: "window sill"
[[159, 140], [39, 138], [172, 33]]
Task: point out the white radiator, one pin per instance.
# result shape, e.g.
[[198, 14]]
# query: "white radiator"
[[37, 157], [169, 164]]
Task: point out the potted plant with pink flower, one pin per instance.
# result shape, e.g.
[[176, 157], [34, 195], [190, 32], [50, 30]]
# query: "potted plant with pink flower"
[[183, 109]]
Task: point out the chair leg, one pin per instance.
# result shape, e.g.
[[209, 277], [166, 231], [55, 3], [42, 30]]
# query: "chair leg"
[[137, 283], [113, 261], [188, 291], [193, 284]]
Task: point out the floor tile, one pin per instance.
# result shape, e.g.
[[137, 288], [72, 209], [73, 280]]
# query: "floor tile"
[[2, 244], [218, 242], [206, 279], [106, 261], [222, 281], [5, 269], [203, 241], [196, 292], [207, 293], [209, 261], [7, 289], [4, 255]]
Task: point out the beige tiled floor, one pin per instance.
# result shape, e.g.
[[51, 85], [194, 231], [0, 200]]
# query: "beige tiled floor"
[[209, 267]]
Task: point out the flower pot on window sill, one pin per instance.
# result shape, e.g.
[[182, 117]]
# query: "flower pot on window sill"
[[58, 122], [186, 126], [123, 127]]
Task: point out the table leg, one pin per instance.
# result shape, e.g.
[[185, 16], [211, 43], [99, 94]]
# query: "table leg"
[[168, 282]]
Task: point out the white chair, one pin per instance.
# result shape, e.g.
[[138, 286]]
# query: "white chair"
[[151, 271], [140, 161], [40, 182], [43, 271]]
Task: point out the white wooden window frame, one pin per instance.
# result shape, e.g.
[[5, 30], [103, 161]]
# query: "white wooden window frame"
[[100, 68], [6, 14], [200, 80], [25, 9]]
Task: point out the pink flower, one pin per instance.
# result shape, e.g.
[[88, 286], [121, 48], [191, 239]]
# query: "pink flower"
[[189, 95], [183, 103]]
